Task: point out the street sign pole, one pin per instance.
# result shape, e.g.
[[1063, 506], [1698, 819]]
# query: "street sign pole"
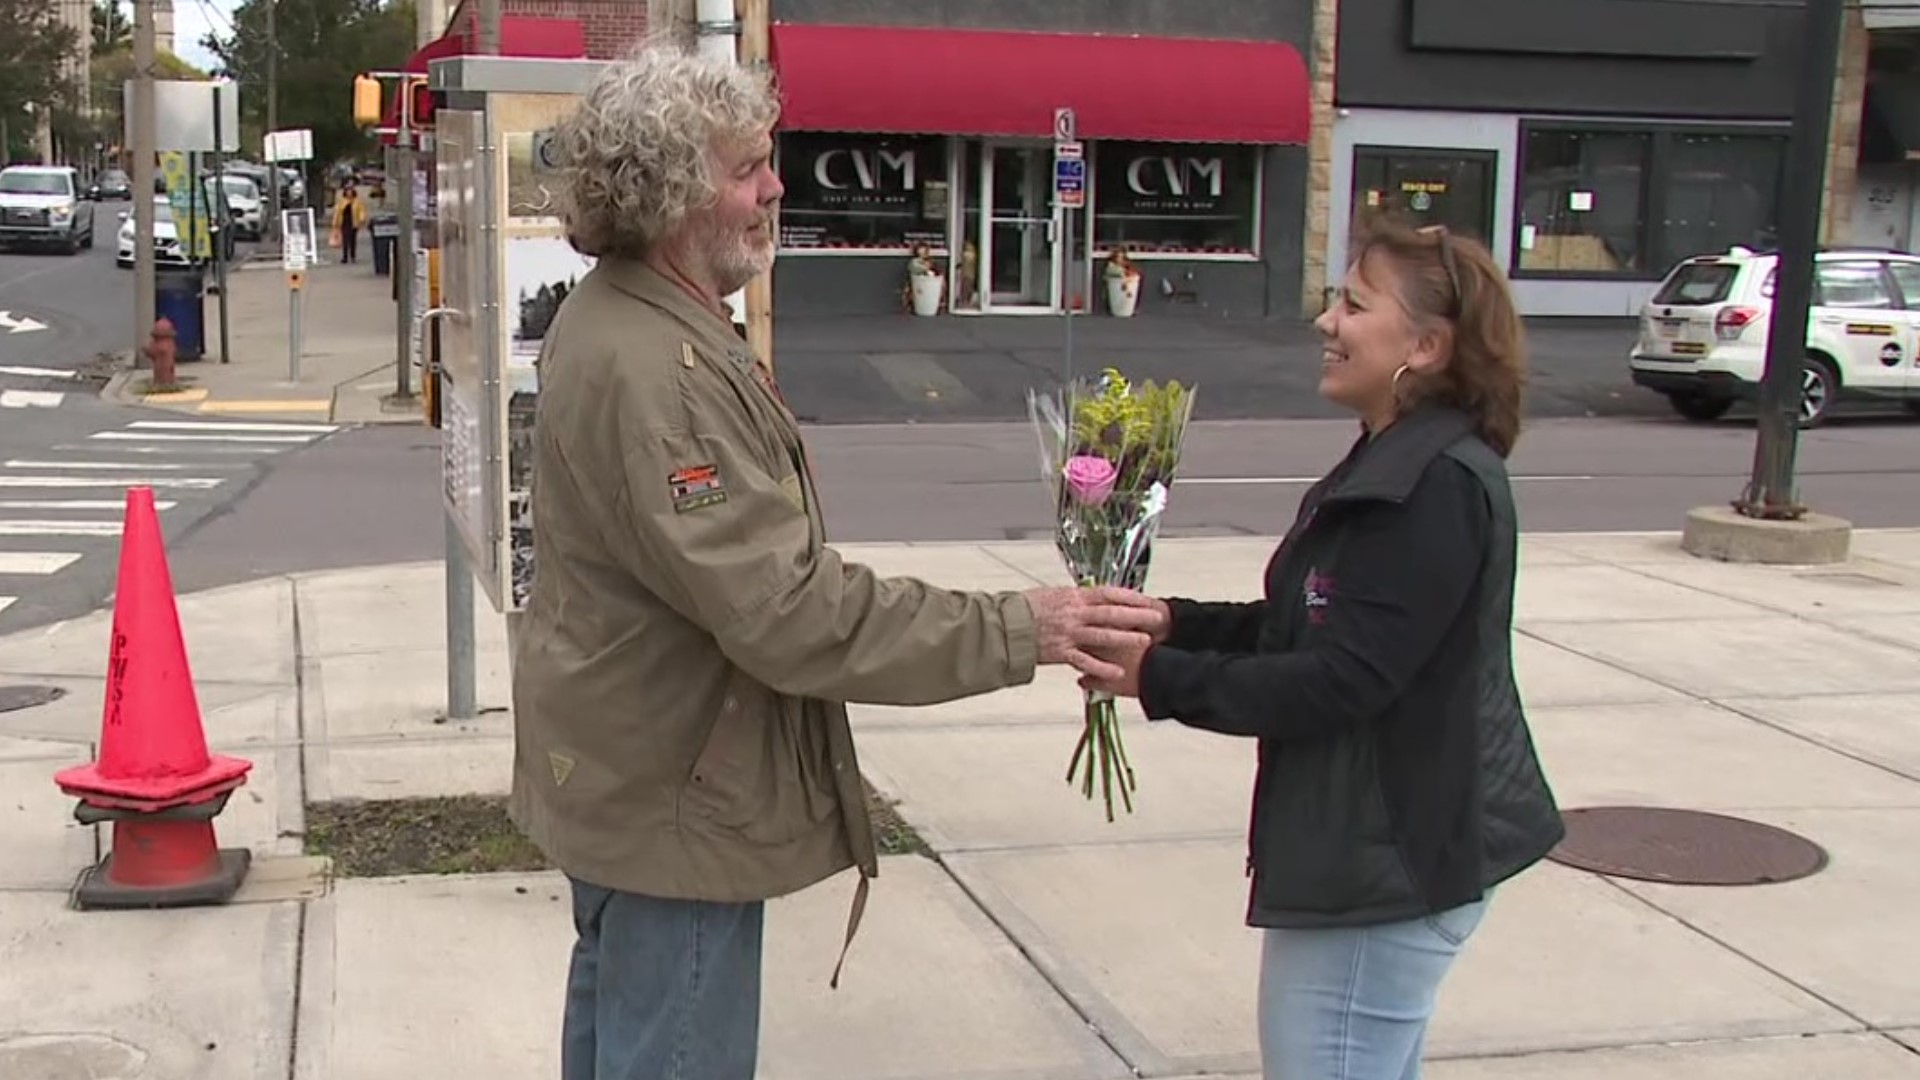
[[1069, 194], [1770, 492]]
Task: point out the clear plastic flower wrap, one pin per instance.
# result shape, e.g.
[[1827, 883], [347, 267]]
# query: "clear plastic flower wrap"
[[1109, 452]]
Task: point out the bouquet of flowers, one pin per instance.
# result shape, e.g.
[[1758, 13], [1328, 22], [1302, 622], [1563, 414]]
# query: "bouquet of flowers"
[[1108, 454]]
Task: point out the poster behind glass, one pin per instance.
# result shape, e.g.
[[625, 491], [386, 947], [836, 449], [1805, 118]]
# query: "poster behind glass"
[[539, 270]]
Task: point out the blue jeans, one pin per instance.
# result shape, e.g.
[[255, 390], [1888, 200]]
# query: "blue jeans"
[[661, 989], [1352, 1003]]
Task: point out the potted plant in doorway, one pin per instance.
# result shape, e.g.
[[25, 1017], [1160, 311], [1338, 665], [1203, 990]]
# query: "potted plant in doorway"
[[926, 286], [1123, 284]]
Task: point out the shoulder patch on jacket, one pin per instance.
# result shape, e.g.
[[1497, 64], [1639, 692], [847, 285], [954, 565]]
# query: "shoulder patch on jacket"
[[697, 486]]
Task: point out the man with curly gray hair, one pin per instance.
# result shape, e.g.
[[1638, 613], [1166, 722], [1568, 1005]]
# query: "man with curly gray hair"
[[681, 670]]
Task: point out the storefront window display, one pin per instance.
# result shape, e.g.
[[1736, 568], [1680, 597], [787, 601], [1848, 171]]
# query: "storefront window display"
[[1175, 198], [863, 192], [1620, 202]]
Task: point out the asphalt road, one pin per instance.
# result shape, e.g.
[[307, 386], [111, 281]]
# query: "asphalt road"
[[369, 496]]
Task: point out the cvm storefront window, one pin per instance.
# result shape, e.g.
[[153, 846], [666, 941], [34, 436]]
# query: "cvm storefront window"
[[1175, 198], [862, 192]]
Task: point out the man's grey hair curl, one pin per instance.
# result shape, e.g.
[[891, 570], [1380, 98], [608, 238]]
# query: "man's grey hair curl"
[[636, 155]]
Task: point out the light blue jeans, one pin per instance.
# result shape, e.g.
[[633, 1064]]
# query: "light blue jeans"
[[1352, 1003], [661, 989]]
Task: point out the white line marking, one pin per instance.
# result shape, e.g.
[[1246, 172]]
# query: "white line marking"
[[30, 399], [134, 465], [193, 483], [35, 562], [159, 436], [38, 372], [216, 425], [6, 602], [59, 528], [94, 448], [75, 504]]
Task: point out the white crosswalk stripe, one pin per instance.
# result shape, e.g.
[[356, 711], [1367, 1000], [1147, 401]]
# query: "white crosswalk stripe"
[[63, 503], [31, 399], [37, 372]]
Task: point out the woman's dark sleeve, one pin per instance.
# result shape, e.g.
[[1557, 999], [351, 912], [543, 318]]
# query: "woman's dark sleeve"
[[1215, 626], [1403, 574]]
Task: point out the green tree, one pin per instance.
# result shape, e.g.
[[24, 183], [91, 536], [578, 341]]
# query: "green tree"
[[112, 27], [322, 45], [31, 53]]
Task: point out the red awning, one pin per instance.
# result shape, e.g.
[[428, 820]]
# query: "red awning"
[[994, 82], [551, 39]]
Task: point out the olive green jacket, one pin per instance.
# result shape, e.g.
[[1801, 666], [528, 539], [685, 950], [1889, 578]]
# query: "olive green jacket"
[[689, 640]]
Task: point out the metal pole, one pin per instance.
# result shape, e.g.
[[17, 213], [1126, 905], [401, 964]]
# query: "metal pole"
[[273, 124], [1770, 491], [226, 224], [294, 334], [460, 668], [1066, 283], [142, 138], [401, 264]]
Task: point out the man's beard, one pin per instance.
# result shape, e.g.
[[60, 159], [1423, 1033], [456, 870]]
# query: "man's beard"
[[733, 257]]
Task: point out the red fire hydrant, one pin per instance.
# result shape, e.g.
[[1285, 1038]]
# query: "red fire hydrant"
[[160, 352]]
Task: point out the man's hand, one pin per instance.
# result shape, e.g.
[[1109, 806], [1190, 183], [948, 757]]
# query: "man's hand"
[[1071, 624], [1163, 615]]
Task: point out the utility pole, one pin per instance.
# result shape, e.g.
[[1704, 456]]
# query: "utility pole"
[[273, 124], [1770, 492], [142, 138], [753, 16]]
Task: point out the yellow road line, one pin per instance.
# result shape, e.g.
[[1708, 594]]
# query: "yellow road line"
[[172, 397], [289, 405]]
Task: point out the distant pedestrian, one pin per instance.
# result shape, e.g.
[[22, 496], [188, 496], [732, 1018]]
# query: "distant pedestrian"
[[1398, 784], [349, 215], [682, 750]]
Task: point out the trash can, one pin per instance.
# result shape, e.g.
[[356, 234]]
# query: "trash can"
[[385, 230], [179, 296]]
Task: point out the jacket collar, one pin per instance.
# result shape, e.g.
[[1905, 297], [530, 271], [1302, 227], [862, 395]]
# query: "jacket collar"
[[649, 286], [1389, 468]]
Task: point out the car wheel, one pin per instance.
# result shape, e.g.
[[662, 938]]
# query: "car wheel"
[[1701, 407], [1819, 388]]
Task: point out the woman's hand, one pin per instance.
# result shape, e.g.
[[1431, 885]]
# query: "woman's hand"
[[1125, 656]]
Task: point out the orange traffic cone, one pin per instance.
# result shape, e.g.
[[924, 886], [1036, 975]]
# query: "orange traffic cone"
[[154, 778]]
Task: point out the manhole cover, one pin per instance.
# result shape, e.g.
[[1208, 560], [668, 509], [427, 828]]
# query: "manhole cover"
[[1684, 847], [14, 698]]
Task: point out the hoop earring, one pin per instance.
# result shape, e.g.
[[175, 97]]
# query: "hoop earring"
[[1398, 373]]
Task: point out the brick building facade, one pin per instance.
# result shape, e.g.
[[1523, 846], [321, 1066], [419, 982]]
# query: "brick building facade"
[[610, 27]]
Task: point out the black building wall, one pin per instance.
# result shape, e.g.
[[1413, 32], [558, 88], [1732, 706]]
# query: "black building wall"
[[1245, 20], [842, 285], [1714, 59]]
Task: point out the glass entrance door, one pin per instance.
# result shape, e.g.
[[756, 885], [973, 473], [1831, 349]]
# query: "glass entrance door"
[[1431, 187], [1019, 267]]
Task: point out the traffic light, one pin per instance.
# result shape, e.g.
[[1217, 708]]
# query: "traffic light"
[[366, 100], [421, 102]]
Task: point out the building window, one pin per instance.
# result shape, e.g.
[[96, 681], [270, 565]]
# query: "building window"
[[1426, 187], [1716, 191], [1614, 201], [1582, 202], [1175, 198], [862, 192]]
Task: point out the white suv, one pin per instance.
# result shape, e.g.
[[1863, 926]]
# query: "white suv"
[[1703, 336]]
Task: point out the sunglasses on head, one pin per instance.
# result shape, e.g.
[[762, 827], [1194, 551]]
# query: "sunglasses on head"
[[1444, 240]]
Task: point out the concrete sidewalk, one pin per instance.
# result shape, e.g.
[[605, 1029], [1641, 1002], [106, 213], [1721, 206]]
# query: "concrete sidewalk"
[[349, 333], [1040, 941]]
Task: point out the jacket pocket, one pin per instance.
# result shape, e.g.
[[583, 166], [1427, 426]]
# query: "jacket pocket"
[[755, 775]]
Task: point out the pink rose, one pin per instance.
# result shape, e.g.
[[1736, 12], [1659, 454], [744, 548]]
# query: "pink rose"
[[1090, 478]]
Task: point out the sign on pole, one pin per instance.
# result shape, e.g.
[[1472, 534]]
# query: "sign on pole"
[[1064, 126], [1070, 174], [294, 144]]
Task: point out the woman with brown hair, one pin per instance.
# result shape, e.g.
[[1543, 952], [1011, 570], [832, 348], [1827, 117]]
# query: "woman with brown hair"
[[1398, 783]]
